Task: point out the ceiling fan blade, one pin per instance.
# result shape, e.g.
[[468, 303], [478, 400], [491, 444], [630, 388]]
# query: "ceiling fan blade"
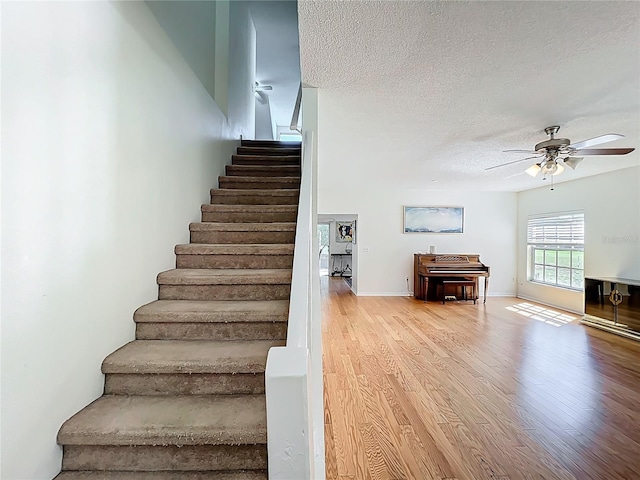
[[609, 137], [509, 163], [519, 151], [605, 151], [572, 162]]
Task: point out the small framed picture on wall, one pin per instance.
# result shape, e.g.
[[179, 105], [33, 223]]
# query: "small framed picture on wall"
[[345, 232]]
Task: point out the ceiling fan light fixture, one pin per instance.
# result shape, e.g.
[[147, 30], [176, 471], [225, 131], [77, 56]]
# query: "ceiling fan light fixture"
[[533, 170], [551, 167], [572, 162], [559, 169]]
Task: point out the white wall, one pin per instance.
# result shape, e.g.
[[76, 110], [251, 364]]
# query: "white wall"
[[109, 146], [348, 185], [242, 66], [191, 26], [611, 205], [264, 127]]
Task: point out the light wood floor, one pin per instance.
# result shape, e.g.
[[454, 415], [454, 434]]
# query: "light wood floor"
[[507, 390]]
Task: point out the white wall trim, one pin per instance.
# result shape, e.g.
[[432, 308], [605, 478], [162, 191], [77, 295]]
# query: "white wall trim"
[[410, 294], [384, 294]]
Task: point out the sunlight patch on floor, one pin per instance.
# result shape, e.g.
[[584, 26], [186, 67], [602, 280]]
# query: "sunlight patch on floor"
[[542, 314]]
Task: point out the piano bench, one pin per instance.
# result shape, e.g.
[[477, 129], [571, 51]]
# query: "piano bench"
[[460, 283]]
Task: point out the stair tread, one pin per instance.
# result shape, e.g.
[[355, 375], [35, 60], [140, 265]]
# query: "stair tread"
[[271, 192], [190, 356], [257, 159], [248, 150], [214, 276], [163, 475], [234, 249], [273, 143], [221, 207], [267, 158], [266, 168], [243, 226], [250, 179], [168, 420], [213, 311]]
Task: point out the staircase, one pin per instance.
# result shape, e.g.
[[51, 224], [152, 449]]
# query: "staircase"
[[185, 400]]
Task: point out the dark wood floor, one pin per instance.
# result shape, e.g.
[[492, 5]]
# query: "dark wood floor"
[[506, 390]]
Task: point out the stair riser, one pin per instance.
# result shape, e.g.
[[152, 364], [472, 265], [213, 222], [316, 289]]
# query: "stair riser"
[[233, 183], [264, 161], [269, 144], [268, 152], [242, 237], [212, 331], [253, 199], [258, 171], [234, 261], [224, 292], [168, 458], [252, 217], [184, 384], [177, 475]]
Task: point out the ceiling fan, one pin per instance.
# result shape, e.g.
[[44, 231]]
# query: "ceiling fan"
[[551, 155]]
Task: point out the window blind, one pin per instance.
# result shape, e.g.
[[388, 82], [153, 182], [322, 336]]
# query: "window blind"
[[558, 229]]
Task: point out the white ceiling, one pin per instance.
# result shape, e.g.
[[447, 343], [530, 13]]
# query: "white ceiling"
[[453, 84], [278, 54]]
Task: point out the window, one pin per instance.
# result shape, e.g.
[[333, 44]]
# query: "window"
[[556, 250]]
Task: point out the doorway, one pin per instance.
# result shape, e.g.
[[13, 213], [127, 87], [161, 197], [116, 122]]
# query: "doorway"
[[323, 243], [338, 250]]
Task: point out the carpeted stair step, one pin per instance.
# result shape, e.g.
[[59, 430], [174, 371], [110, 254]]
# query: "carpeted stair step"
[[268, 151], [288, 196], [242, 233], [212, 320], [165, 475], [262, 170], [259, 183], [202, 255], [156, 433], [224, 284], [187, 367], [269, 143], [249, 213], [266, 160], [165, 458]]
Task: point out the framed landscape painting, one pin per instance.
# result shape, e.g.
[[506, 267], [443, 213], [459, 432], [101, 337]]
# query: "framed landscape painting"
[[433, 219]]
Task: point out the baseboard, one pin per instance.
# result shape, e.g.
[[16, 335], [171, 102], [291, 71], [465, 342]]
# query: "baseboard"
[[384, 294], [410, 294]]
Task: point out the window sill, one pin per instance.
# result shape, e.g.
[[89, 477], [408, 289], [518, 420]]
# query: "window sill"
[[576, 290]]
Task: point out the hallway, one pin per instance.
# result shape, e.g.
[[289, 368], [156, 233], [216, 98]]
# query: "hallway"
[[509, 390]]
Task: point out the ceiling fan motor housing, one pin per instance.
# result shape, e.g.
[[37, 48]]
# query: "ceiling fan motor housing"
[[554, 144]]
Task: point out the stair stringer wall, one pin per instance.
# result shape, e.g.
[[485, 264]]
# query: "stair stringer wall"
[[109, 145]]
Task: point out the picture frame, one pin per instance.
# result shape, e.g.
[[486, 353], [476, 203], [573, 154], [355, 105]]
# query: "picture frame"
[[433, 219], [345, 232]]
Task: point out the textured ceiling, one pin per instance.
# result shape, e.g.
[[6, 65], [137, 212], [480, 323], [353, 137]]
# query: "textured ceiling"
[[453, 84]]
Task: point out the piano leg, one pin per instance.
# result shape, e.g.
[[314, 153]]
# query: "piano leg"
[[425, 287], [486, 286]]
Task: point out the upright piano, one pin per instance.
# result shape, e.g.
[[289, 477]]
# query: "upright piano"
[[440, 267]]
